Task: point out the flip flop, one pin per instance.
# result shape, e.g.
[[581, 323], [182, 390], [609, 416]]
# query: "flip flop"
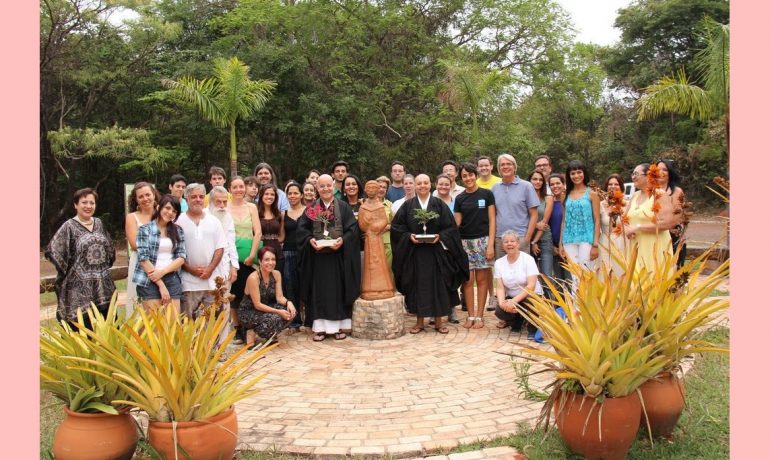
[[442, 330], [478, 324], [320, 337], [416, 330], [502, 324], [468, 323], [340, 336]]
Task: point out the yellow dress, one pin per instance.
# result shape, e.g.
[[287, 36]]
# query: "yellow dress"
[[652, 245]]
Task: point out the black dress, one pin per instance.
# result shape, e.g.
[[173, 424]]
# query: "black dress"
[[263, 323], [427, 274]]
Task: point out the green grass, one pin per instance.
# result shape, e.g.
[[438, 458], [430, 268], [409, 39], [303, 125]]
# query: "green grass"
[[49, 298]]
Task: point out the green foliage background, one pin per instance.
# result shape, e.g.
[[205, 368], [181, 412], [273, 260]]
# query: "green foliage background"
[[357, 80]]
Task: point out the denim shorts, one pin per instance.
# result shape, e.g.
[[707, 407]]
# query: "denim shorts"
[[151, 292]]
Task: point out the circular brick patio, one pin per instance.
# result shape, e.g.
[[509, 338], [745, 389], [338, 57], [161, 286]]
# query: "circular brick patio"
[[409, 396]]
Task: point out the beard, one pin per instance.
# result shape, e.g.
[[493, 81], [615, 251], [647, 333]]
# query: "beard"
[[220, 214]]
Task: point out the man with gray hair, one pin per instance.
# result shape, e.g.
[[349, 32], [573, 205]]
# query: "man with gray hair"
[[516, 205], [205, 243], [228, 266]]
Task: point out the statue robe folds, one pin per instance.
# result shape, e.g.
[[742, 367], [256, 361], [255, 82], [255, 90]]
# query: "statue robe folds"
[[428, 274], [331, 280], [377, 281]]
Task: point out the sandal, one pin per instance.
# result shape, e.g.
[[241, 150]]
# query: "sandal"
[[478, 324], [319, 337], [417, 329], [502, 324], [442, 330], [469, 323], [340, 336]]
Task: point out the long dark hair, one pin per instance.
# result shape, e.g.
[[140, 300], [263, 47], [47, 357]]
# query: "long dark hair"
[[617, 177], [171, 228], [575, 165], [543, 189], [674, 180], [358, 183], [261, 203]]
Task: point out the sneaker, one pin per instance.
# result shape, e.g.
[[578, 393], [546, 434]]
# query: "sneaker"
[[238, 339], [492, 303], [453, 316]]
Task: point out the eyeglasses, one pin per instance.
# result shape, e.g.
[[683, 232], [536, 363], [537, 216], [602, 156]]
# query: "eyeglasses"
[[635, 174], [541, 165]]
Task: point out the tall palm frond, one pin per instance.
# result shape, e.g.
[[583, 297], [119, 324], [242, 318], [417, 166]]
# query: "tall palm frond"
[[226, 97], [713, 62], [675, 94]]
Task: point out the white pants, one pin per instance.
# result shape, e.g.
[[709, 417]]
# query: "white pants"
[[581, 254]]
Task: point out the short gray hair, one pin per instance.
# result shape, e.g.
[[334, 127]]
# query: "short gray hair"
[[506, 156], [193, 186], [218, 189], [509, 233]]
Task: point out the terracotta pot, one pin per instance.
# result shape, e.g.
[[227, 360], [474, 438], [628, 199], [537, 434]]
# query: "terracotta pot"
[[95, 436], [211, 439], [663, 402], [619, 425]]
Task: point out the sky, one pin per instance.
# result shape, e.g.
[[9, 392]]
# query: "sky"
[[593, 19]]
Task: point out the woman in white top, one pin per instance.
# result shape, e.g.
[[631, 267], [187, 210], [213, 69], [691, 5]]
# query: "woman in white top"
[[515, 277], [160, 253], [141, 204]]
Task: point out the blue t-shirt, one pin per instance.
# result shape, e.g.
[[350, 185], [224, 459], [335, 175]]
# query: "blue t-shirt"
[[394, 193], [555, 221]]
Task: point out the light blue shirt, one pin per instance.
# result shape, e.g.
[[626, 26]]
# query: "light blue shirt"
[[513, 201]]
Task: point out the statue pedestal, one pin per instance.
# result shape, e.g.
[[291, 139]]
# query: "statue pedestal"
[[378, 319]]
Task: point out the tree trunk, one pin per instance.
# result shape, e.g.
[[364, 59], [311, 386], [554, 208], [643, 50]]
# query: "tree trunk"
[[233, 152]]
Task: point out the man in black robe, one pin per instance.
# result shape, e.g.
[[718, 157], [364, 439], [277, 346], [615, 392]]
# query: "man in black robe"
[[330, 275], [428, 273]]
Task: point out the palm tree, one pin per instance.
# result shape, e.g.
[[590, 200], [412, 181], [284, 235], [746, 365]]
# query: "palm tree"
[[675, 93], [229, 95], [467, 87]]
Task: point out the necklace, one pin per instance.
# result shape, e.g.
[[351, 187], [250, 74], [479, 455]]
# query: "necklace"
[[84, 222]]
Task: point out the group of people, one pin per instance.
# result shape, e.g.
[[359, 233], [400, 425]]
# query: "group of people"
[[292, 256]]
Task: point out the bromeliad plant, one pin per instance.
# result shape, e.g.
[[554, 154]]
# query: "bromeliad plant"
[[81, 390], [600, 349], [168, 365]]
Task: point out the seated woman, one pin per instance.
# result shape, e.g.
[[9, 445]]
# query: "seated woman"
[[515, 276], [264, 311]]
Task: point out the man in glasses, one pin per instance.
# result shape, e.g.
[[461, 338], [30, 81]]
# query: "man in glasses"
[[543, 166]]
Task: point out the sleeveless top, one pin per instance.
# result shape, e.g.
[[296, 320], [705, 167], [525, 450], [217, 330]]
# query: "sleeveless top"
[[555, 221], [290, 232], [270, 230], [243, 236], [579, 220], [267, 293]]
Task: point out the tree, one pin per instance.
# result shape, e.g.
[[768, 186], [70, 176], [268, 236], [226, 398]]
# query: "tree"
[[468, 87], [229, 95], [675, 93]]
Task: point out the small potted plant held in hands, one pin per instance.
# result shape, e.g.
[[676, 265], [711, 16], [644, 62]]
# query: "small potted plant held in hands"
[[423, 216], [323, 235]]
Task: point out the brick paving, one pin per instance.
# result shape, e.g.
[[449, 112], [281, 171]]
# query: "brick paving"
[[413, 396]]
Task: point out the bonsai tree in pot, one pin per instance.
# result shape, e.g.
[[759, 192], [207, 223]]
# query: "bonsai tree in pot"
[[172, 371], [94, 426], [600, 358]]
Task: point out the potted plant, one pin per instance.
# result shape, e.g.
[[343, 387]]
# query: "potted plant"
[[600, 358], [423, 216], [675, 311], [94, 427], [173, 373], [324, 217]]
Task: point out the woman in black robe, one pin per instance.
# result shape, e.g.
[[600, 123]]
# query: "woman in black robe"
[[331, 276], [428, 273]]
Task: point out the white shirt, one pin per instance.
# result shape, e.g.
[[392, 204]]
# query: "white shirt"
[[230, 256], [201, 241], [514, 275]]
